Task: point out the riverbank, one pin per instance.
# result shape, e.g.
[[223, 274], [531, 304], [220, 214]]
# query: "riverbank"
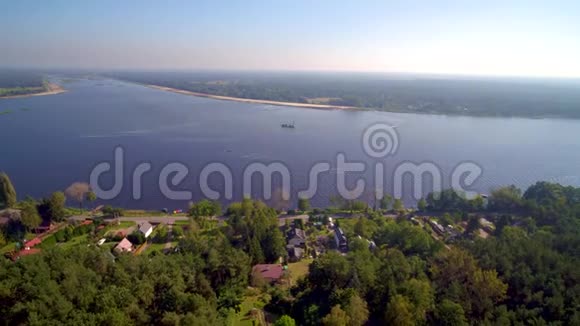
[[52, 89], [255, 101]]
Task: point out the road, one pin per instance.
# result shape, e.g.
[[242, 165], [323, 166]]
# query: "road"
[[172, 219]]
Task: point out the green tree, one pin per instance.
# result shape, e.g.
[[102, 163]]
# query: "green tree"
[[205, 208], [29, 215], [7, 192], [398, 205], [56, 206], [386, 202], [361, 227], [336, 317], [422, 205], [91, 197], [285, 321], [449, 313], [177, 231], [357, 310], [399, 311], [303, 204]]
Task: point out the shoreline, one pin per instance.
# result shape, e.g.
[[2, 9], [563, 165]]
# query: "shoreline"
[[53, 89], [254, 101]]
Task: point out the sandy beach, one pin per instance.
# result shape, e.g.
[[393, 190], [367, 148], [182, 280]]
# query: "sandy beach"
[[247, 100], [53, 89]]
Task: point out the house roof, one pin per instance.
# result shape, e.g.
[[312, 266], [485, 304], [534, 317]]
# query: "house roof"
[[269, 271], [296, 241], [296, 252], [299, 233], [33, 242], [145, 227], [124, 245]]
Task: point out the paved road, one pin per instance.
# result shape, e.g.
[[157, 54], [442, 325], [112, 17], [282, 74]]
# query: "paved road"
[[172, 219]]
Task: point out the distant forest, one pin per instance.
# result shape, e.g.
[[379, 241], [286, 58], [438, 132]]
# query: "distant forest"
[[20, 82], [397, 93]]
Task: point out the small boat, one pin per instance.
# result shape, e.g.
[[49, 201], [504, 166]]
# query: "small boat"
[[288, 125]]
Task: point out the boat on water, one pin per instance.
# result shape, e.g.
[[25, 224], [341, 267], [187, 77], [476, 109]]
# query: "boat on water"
[[288, 125]]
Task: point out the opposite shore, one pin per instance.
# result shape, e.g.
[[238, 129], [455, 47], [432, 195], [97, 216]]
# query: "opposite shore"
[[256, 101], [51, 89]]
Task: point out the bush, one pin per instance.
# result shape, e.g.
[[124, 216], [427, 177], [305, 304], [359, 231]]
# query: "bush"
[[136, 238], [112, 211]]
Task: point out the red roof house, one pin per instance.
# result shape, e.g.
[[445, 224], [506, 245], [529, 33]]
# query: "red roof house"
[[33, 242], [269, 272]]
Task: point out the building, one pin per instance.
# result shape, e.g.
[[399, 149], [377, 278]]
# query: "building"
[[438, 228], [340, 239], [295, 253], [146, 228], [124, 246], [34, 242], [271, 273], [296, 239]]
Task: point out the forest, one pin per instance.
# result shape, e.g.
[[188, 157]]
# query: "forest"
[[387, 92], [524, 273], [20, 82]]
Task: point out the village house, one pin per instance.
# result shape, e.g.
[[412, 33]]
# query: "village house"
[[124, 246], [271, 273], [340, 239], [296, 239], [146, 228]]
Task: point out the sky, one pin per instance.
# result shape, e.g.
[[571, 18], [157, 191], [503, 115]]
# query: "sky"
[[504, 38]]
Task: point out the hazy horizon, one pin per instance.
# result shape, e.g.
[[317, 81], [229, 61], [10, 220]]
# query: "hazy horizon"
[[491, 38]]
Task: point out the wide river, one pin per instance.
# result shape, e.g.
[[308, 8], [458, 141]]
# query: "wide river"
[[49, 142]]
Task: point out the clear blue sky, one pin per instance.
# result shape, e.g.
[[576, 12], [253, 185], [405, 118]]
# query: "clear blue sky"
[[538, 38]]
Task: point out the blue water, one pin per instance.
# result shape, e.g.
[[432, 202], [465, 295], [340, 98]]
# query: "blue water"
[[60, 138]]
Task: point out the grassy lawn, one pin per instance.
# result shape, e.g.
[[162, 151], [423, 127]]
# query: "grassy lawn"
[[298, 269], [7, 248], [83, 239], [244, 317], [159, 247], [122, 225]]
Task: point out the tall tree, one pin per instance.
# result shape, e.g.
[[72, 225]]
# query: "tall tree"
[[449, 313], [357, 310], [422, 205], [399, 311], [303, 204], [91, 197], [336, 317], [78, 192], [386, 202], [398, 205], [29, 215], [56, 206], [7, 192], [285, 321]]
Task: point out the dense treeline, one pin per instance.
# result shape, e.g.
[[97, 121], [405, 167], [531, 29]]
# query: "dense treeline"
[[395, 273], [19, 82], [416, 94]]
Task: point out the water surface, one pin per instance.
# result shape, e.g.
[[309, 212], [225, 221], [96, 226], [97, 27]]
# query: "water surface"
[[58, 139]]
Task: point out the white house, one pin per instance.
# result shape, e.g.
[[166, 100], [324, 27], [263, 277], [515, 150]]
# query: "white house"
[[146, 228]]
